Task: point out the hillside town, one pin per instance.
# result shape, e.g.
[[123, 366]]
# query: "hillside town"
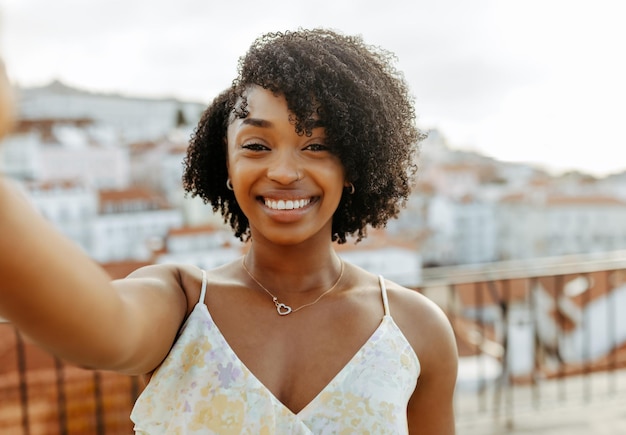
[[106, 170]]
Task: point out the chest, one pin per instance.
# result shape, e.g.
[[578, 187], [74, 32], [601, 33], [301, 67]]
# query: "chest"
[[204, 382], [297, 358]]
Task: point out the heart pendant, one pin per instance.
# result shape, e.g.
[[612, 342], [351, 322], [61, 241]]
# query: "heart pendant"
[[283, 309]]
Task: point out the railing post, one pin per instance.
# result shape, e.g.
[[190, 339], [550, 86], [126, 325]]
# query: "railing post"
[[504, 305], [558, 291], [97, 392], [532, 301], [134, 389], [611, 319], [59, 369], [586, 341], [21, 367], [479, 345]]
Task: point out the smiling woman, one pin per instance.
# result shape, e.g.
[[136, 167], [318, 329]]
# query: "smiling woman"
[[314, 142]]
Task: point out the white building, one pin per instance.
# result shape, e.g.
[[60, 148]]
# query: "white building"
[[615, 185], [60, 149], [71, 206], [542, 225], [204, 246], [131, 223], [394, 258], [454, 180], [461, 231], [135, 119], [522, 233], [584, 224], [104, 168]]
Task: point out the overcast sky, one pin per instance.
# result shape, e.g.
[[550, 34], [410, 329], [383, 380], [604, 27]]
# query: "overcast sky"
[[531, 80]]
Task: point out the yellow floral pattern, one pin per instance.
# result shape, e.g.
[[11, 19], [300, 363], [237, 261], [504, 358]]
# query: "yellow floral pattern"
[[203, 388]]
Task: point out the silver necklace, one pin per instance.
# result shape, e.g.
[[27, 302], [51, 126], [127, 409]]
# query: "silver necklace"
[[284, 309]]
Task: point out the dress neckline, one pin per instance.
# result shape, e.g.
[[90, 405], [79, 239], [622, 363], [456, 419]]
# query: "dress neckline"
[[371, 340]]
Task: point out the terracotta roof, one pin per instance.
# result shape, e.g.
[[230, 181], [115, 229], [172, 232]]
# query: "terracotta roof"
[[66, 183], [200, 229], [149, 199], [126, 194], [377, 239], [584, 200]]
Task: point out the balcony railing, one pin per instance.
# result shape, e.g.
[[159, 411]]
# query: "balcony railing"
[[535, 335], [39, 394], [531, 335]]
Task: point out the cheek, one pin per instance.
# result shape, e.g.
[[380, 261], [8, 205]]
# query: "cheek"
[[230, 161]]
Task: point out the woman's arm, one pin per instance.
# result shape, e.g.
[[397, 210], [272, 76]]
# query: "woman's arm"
[[431, 408], [56, 295]]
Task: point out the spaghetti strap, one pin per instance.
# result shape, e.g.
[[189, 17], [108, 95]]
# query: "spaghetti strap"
[[203, 291], [383, 290]]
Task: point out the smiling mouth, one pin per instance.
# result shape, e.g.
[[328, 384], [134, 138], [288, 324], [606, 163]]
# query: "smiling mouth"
[[289, 204]]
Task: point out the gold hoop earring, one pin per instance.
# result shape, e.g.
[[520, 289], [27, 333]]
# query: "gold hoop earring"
[[352, 189], [229, 185]]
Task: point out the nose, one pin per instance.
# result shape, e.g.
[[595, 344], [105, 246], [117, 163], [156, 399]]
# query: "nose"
[[283, 168]]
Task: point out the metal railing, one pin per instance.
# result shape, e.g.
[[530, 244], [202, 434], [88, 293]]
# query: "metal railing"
[[39, 394], [535, 334]]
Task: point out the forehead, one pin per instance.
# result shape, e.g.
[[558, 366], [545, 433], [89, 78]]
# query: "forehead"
[[263, 103], [261, 107]]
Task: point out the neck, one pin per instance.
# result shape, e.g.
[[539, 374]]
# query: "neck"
[[293, 270]]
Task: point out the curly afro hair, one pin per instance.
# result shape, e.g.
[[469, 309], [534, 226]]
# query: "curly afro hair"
[[362, 101]]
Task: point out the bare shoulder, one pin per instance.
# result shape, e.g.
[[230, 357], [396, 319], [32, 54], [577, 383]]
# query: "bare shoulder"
[[177, 279], [184, 279], [423, 322], [414, 310]]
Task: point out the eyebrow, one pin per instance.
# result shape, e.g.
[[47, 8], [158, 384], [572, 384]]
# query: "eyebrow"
[[263, 123], [256, 122]]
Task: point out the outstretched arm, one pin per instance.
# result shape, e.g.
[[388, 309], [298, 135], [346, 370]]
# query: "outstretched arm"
[[51, 291]]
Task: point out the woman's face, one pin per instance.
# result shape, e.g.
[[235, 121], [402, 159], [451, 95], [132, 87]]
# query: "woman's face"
[[6, 102], [288, 185]]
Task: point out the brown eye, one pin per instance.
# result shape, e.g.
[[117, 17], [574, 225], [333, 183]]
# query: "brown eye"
[[317, 147], [255, 147]]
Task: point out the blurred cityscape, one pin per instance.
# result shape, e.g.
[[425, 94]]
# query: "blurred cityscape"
[[526, 264], [106, 170]]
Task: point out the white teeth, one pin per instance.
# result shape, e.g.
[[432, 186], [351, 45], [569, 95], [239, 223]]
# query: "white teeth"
[[286, 205]]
